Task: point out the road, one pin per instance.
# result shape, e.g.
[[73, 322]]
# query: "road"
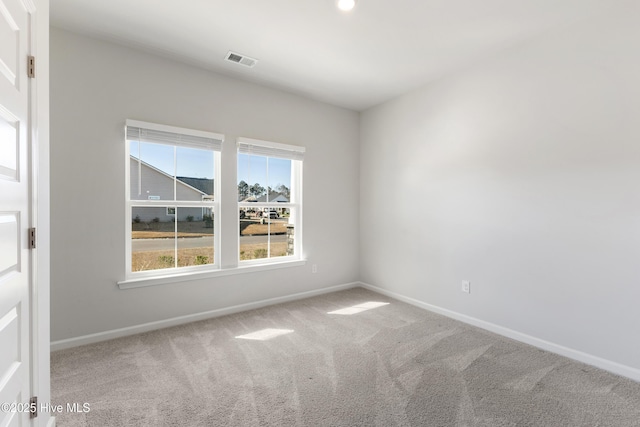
[[144, 245]]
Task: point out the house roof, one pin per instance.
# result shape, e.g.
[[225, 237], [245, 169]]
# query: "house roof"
[[273, 196], [205, 185]]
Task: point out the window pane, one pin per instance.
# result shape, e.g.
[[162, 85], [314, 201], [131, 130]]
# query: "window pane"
[[152, 171], [278, 179], [254, 235], [278, 238], [195, 236], [195, 168], [265, 233], [282, 235], [252, 177], [152, 238]]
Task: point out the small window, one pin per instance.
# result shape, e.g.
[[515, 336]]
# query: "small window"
[[172, 202], [269, 201]]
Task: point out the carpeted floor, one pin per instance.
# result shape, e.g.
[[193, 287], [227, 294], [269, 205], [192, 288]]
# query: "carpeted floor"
[[298, 364]]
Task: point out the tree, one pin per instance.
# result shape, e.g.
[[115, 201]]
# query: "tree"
[[284, 190], [243, 190], [256, 190]]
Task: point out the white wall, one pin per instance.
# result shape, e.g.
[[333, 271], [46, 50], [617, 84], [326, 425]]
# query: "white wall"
[[520, 174], [95, 86]]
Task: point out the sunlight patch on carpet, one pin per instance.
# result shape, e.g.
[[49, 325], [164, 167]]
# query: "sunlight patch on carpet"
[[265, 334], [359, 308]]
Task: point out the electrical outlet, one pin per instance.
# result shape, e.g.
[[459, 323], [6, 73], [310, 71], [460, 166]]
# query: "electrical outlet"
[[466, 286], [314, 268]]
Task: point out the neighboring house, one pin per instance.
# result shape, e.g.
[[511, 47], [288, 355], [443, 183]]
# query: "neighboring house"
[[274, 196], [150, 183]]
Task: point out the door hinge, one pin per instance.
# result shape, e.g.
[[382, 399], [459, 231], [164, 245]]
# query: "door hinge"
[[32, 238], [33, 407], [31, 67]]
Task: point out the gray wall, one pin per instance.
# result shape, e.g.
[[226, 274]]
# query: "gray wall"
[[95, 86], [519, 174]]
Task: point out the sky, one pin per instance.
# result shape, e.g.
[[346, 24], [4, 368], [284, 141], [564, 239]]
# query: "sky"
[[270, 171], [196, 163]]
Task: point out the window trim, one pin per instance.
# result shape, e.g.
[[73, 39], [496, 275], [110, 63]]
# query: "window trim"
[[143, 282], [177, 131], [270, 149], [215, 147]]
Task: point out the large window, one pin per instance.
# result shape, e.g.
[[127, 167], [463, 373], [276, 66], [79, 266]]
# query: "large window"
[[269, 201], [174, 230], [172, 199]]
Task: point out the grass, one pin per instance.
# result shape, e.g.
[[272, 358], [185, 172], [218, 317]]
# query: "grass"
[[155, 260], [259, 250], [257, 229]]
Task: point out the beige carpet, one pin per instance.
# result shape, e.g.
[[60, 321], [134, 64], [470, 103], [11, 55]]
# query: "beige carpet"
[[380, 365]]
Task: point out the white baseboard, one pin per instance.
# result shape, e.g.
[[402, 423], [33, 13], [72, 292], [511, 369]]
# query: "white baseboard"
[[145, 327], [607, 365]]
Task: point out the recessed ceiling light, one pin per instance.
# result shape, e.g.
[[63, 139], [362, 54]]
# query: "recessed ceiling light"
[[346, 5]]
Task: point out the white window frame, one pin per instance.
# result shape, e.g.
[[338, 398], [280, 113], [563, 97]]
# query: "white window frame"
[[296, 155], [216, 147]]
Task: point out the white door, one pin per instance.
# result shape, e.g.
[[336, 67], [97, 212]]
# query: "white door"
[[15, 213]]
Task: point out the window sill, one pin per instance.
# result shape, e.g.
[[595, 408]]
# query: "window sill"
[[184, 277]]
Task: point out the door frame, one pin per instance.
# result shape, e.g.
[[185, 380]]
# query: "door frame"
[[40, 208]]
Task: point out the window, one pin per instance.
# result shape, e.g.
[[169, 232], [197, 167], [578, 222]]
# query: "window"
[[172, 199], [269, 201], [174, 231]]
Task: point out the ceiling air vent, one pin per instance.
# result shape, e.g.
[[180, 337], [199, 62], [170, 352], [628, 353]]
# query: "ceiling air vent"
[[241, 59]]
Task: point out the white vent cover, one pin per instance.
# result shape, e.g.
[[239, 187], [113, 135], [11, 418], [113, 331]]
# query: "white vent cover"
[[241, 59]]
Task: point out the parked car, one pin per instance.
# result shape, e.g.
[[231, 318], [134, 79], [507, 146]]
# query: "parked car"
[[271, 213]]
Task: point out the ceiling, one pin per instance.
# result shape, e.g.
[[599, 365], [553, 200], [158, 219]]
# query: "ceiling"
[[381, 49]]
